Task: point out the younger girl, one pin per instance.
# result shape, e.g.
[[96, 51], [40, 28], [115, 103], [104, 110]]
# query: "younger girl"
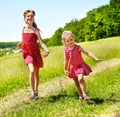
[[31, 51], [74, 65]]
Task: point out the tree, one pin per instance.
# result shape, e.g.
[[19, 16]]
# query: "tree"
[[56, 38]]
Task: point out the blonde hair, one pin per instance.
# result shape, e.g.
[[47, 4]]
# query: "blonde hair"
[[66, 34], [33, 12]]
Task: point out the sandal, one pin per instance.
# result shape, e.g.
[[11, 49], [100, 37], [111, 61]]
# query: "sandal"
[[36, 95], [80, 98], [31, 97], [86, 97]]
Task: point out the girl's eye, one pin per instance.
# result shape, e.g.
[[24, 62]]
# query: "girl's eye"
[[30, 16]]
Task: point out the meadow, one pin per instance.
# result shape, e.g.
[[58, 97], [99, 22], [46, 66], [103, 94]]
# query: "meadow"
[[102, 85]]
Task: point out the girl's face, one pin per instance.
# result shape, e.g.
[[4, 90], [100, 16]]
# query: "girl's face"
[[69, 42], [29, 18]]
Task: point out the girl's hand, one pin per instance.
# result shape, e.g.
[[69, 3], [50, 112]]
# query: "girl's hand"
[[46, 54], [19, 45], [98, 59], [66, 72]]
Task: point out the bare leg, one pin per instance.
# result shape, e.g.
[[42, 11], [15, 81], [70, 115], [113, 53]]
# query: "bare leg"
[[78, 86], [36, 78], [82, 83], [31, 77], [82, 86]]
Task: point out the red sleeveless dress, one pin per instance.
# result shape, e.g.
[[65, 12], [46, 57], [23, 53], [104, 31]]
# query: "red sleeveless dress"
[[76, 63], [30, 50]]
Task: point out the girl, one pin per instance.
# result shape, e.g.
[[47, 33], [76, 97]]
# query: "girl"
[[74, 65], [31, 51]]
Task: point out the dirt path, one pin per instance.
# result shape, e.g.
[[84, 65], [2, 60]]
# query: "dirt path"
[[49, 88]]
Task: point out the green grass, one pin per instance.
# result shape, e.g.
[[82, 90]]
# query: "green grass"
[[104, 93], [105, 49], [103, 87], [14, 73]]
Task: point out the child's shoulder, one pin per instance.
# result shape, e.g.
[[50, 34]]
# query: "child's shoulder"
[[77, 46], [66, 50]]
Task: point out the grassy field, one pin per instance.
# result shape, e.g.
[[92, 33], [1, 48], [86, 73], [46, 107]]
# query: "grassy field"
[[102, 85]]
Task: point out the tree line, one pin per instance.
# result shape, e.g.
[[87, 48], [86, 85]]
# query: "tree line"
[[8, 45], [101, 22]]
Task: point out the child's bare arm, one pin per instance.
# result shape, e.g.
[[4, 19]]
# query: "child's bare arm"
[[42, 43], [66, 65], [90, 54]]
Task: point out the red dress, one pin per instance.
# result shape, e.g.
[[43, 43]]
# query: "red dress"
[[76, 63], [30, 50]]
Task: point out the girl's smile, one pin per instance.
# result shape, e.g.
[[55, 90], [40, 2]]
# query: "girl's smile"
[[29, 18], [69, 42]]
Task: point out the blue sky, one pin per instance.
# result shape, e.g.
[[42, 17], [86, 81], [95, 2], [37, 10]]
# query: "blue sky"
[[50, 15]]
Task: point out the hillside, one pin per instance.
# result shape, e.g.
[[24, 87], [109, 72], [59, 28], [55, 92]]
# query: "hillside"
[[57, 93]]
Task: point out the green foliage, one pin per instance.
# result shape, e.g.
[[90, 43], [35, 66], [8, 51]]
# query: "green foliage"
[[8, 44], [115, 4], [56, 38], [74, 26], [99, 23], [7, 47]]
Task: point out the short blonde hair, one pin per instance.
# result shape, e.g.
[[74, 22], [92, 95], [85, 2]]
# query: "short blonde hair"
[[66, 34]]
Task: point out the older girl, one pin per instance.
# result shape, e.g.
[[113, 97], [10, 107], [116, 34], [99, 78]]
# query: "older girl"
[[31, 52]]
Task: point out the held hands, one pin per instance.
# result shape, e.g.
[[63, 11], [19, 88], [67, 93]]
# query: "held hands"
[[46, 54]]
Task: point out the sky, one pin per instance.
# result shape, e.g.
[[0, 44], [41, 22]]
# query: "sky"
[[50, 15]]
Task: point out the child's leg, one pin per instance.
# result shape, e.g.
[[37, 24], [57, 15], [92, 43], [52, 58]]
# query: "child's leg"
[[82, 85], [36, 76], [31, 76], [36, 79], [77, 86]]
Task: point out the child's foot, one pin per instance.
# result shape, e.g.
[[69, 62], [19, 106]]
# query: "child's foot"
[[31, 97], [36, 95], [86, 97], [80, 98]]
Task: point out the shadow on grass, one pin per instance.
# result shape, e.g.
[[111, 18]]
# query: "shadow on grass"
[[58, 97], [92, 101], [98, 101], [95, 101], [54, 98]]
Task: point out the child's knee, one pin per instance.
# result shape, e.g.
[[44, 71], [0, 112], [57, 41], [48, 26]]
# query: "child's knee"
[[80, 77], [31, 73]]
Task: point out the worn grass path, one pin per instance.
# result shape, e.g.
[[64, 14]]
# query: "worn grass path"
[[49, 88]]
